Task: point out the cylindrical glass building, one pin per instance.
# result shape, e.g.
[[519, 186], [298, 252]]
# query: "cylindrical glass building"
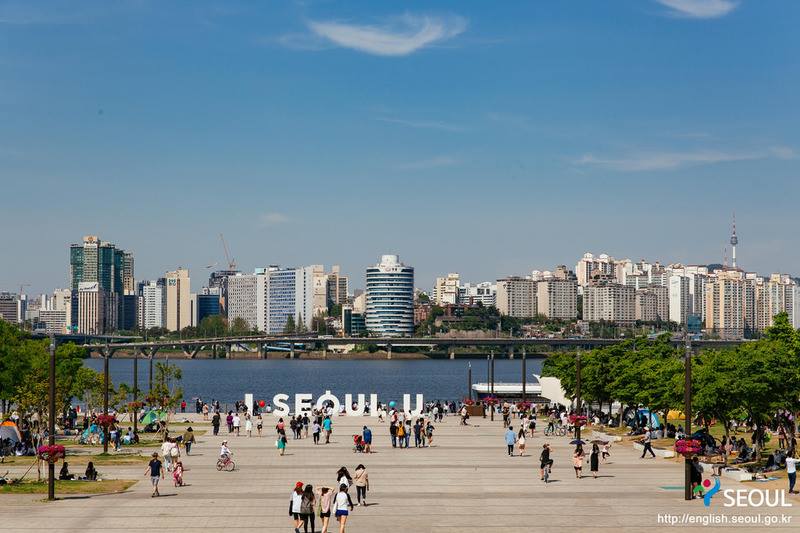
[[390, 298]]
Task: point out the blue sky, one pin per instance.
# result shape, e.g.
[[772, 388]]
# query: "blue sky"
[[484, 138]]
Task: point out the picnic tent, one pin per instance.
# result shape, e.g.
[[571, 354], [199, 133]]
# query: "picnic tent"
[[9, 430]]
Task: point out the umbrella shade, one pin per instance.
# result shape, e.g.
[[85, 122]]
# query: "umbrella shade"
[[577, 441], [152, 416]]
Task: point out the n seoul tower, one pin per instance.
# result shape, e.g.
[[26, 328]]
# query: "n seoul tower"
[[734, 242]]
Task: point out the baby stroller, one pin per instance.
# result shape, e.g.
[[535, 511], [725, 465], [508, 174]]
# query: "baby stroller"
[[358, 444]]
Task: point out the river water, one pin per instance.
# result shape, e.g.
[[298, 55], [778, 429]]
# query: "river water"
[[229, 380]]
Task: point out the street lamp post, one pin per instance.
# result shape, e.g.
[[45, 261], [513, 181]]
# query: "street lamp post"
[[135, 389], [578, 393], [106, 355], [491, 387], [687, 408], [51, 422], [524, 374], [469, 381]]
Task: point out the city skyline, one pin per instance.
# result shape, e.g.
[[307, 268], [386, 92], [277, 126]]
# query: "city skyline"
[[463, 137], [358, 276]]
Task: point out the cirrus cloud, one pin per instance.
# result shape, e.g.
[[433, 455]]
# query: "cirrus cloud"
[[700, 9], [398, 36], [647, 161]]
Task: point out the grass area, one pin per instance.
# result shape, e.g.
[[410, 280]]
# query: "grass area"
[[105, 486], [82, 459]]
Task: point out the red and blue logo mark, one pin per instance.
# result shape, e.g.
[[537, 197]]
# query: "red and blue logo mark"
[[710, 491]]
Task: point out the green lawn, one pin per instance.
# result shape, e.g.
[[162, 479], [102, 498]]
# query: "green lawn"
[[69, 487]]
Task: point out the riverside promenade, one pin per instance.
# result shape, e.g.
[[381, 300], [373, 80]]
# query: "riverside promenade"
[[464, 483]]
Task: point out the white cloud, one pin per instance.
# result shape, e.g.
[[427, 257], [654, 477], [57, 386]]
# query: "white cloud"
[[398, 36], [700, 9], [272, 219], [422, 124], [434, 162], [645, 161]]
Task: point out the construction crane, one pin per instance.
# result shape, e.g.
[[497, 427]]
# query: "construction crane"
[[231, 262]]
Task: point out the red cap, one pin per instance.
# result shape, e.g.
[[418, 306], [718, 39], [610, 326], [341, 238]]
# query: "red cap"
[[298, 485]]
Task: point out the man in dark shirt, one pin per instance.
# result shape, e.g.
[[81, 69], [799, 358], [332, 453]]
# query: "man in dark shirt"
[[215, 423], [544, 459], [156, 470]]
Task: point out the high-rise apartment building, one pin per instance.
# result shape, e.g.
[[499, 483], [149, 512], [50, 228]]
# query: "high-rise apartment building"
[[219, 280], [609, 301], [445, 290], [725, 304], [652, 304], [679, 298], [243, 298], [338, 287], [390, 298], [516, 296], [128, 283], [152, 304], [591, 264], [557, 296], [179, 308]]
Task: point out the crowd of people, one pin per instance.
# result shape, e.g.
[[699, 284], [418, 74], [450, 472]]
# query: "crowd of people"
[[306, 502]]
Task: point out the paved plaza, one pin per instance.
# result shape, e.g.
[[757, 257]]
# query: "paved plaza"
[[465, 482]]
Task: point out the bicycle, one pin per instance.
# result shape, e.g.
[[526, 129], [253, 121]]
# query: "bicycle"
[[225, 463], [557, 431]]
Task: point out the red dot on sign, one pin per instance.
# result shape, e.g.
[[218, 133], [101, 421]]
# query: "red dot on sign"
[[707, 483]]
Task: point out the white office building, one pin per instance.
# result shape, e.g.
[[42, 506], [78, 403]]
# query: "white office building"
[[484, 293], [152, 308]]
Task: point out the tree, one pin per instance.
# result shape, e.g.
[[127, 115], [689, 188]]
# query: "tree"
[[167, 393], [290, 327]]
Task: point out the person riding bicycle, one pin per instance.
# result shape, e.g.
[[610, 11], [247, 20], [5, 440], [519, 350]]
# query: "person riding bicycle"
[[225, 452], [544, 459]]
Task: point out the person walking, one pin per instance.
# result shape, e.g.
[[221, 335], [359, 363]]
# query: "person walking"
[[544, 459], [248, 425], [511, 439], [407, 432], [429, 433], [156, 470], [325, 496], [791, 472], [188, 439], [417, 433], [327, 427], [259, 424], [295, 505], [401, 433], [647, 441], [393, 433], [361, 481], [307, 508], [594, 460], [316, 429], [205, 411], [367, 436], [605, 454], [343, 477], [577, 461], [237, 422], [342, 507], [215, 423], [281, 443], [521, 441]]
